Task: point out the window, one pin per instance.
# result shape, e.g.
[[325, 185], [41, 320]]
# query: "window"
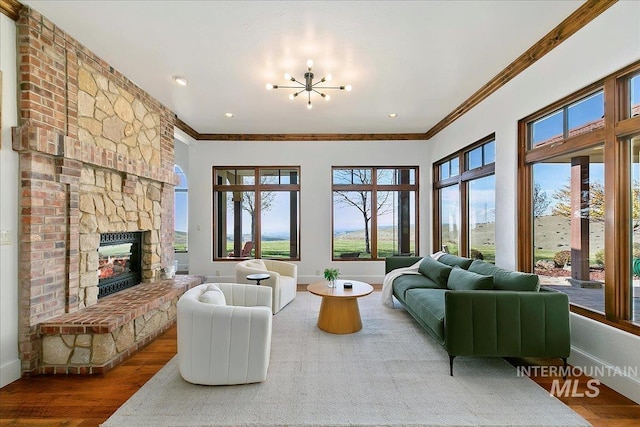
[[256, 212], [579, 198], [464, 202], [374, 212], [568, 224], [180, 212], [581, 116]]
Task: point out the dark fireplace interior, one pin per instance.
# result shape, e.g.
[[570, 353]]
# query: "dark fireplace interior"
[[119, 262]]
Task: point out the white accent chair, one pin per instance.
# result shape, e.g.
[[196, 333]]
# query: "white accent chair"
[[224, 333], [283, 280]]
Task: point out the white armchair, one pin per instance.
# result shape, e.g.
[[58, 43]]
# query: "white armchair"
[[224, 333], [283, 280]]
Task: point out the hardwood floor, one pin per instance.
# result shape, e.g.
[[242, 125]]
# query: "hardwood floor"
[[89, 400]]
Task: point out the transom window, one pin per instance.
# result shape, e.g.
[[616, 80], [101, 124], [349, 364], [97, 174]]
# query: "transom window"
[[572, 119], [256, 212], [374, 212]]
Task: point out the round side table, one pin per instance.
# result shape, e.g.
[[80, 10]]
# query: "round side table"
[[258, 277]]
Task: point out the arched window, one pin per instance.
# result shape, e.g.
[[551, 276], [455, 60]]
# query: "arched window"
[[181, 212]]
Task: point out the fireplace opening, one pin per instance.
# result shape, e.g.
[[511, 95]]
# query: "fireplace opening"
[[119, 262]]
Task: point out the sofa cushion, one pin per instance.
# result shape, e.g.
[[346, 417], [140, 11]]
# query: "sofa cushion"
[[506, 280], [463, 280], [405, 282], [453, 260], [256, 263], [434, 270], [213, 295], [428, 305]]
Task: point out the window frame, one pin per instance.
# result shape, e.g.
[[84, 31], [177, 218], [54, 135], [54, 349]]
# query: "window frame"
[[615, 133], [462, 179], [256, 187], [374, 187]]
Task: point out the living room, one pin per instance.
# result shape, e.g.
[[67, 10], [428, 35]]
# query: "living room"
[[565, 70]]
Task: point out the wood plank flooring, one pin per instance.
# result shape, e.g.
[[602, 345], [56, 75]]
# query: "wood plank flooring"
[[89, 400]]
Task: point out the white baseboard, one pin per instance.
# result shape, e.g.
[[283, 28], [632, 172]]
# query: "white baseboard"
[[9, 372], [614, 376]]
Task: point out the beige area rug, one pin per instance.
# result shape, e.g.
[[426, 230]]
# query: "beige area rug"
[[390, 373]]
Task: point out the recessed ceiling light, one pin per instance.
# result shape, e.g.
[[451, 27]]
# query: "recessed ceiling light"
[[182, 81], [393, 115], [228, 115]]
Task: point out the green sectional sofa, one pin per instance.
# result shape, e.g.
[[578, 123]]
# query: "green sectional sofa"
[[477, 309]]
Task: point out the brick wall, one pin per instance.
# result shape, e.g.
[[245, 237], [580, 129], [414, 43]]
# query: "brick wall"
[[55, 147]]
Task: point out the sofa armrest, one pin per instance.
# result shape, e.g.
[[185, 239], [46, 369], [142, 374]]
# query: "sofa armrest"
[[507, 323], [393, 262]]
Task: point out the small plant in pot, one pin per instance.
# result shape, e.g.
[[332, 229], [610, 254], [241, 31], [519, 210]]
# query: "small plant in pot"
[[331, 275]]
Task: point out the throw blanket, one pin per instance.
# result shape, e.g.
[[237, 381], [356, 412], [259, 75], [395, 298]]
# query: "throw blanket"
[[387, 290]]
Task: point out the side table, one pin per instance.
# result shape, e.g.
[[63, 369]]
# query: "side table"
[[258, 277]]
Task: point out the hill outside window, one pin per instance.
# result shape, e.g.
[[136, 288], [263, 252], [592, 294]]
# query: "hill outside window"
[[375, 211], [256, 212]]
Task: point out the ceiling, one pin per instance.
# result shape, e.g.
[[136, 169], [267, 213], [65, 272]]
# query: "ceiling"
[[419, 59]]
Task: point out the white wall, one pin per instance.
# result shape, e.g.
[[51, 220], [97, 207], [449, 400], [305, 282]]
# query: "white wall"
[[315, 160], [607, 44], [9, 362]]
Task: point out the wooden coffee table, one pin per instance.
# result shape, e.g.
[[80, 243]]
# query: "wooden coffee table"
[[339, 311]]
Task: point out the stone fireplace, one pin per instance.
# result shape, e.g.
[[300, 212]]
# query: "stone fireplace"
[[96, 156]]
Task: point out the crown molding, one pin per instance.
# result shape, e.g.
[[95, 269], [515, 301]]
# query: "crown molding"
[[296, 136], [312, 137], [586, 13], [11, 8]]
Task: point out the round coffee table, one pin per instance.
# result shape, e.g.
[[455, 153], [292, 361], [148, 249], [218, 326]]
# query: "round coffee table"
[[258, 277], [339, 311]]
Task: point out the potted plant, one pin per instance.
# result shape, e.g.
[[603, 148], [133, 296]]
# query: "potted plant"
[[331, 275]]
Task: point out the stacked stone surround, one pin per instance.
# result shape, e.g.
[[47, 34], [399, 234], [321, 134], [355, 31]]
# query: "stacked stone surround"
[[96, 155]]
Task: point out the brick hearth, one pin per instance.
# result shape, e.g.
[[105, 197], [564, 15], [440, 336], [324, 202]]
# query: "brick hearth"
[[94, 340]]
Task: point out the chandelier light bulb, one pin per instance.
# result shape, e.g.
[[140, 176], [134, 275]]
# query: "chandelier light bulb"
[[269, 86], [293, 95], [287, 76], [309, 63], [327, 98], [329, 77], [348, 88], [309, 106]]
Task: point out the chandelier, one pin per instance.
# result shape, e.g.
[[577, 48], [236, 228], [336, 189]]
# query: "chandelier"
[[308, 85]]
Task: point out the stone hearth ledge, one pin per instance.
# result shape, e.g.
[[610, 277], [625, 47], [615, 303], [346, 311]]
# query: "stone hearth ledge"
[[97, 338]]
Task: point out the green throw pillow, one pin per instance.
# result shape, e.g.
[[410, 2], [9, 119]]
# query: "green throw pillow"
[[454, 260], [463, 280], [507, 280], [434, 270]]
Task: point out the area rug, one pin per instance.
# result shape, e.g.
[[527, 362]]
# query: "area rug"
[[390, 373]]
